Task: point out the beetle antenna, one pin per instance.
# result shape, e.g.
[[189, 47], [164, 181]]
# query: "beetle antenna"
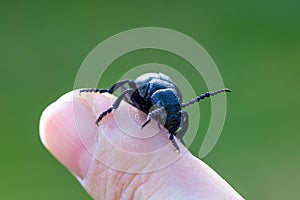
[[203, 96]]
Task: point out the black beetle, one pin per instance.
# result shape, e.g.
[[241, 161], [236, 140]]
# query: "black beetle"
[[158, 96]]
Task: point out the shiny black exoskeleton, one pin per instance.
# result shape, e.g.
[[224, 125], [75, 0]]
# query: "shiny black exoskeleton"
[[158, 96]]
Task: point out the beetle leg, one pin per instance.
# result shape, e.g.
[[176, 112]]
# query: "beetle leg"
[[117, 85], [115, 104], [161, 120], [184, 125], [184, 115], [153, 113], [147, 120], [112, 89], [147, 90], [123, 88], [174, 142], [132, 84], [96, 90], [158, 124]]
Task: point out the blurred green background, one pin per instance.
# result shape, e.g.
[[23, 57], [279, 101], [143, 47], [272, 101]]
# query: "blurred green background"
[[255, 44]]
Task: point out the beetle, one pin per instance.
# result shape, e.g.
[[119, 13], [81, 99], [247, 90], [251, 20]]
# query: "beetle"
[[158, 96]]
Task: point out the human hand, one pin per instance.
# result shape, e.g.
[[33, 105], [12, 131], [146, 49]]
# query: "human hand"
[[112, 161]]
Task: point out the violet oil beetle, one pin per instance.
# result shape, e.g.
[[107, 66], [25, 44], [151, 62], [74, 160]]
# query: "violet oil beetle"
[[158, 96]]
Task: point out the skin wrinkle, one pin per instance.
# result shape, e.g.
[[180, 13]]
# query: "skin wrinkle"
[[169, 180], [141, 180], [123, 182], [163, 195], [107, 185], [140, 189], [129, 189], [129, 183], [156, 187], [115, 183]]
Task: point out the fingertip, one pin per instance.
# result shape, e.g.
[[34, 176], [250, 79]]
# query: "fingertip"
[[65, 130], [44, 123]]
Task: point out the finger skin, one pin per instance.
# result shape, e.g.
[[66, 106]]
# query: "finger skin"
[[117, 160]]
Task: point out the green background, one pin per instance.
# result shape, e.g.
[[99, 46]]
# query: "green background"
[[255, 45]]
